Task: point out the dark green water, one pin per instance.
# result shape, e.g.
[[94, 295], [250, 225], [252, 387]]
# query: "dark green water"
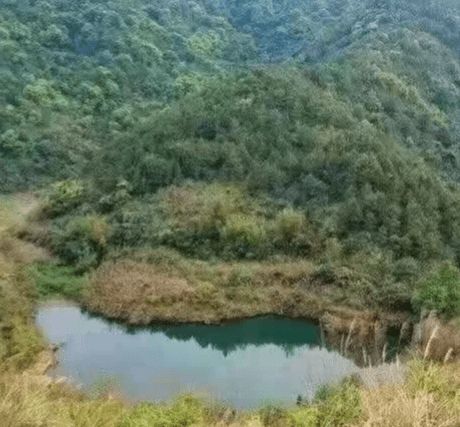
[[245, 364]]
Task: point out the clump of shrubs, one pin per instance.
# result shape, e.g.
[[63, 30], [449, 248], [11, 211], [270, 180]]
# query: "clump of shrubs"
[[245, 236], [224, 220], [82, 241], [440, 291], [63, 197]]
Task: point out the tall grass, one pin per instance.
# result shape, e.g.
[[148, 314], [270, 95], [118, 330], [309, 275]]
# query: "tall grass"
[[430, 397]]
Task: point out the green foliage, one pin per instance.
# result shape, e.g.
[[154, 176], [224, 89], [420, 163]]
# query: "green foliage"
[[81, 241], [19, 340], [339, 405], [63, 197], [274, 416], [244, 235], [285, 135], [333, 406], [67, 71], [209, 220], [53, 280], [241, 130], [440, 291], [186, 411]]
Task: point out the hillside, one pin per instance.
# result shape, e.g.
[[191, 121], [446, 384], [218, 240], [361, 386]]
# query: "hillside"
[[289, 131], [72, 73], [179, 161]]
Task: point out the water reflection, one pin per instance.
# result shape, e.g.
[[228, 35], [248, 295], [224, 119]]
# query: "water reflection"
[[284, 333], [245, 364]]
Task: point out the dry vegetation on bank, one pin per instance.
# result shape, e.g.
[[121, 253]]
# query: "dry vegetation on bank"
[[430, 397], [154, 284], [165, 287]]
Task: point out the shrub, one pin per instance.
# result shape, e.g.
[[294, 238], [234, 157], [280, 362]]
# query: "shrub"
[[440, 291], [245, 235], [325, 273], [82, 241], [339, 405], [64, 196], [137, 224], [305, 416], [405, 269], [291, 232], [289, 224]]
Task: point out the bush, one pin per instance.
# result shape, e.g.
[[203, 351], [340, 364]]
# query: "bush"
[[82, 241], [137, 224], [290, 229], [245, 236], [289, 224], [440, 291], [64, 196], [325, 273], [406, 269], [339, 405]]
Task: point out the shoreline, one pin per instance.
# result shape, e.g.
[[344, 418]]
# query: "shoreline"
[[363, 339]]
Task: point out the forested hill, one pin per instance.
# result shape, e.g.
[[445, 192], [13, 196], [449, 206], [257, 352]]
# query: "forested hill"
[[72, 71], [340, 114], [319, 30]]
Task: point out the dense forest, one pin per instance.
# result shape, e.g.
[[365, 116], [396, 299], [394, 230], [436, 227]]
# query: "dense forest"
[[232, 131]]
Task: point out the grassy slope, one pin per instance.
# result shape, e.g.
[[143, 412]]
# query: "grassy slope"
[[19, 341]]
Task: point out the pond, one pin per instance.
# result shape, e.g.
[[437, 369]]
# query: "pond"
[[245, 364]]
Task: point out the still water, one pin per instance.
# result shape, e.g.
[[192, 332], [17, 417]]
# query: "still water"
[[245, 364]]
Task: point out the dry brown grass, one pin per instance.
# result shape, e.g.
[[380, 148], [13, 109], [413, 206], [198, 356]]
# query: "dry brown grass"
[[439, 340], [19, 341], [395, 407], [28, 400], [183, 290], [430, 397], [14, 211], [162, 286], [134, 291]]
